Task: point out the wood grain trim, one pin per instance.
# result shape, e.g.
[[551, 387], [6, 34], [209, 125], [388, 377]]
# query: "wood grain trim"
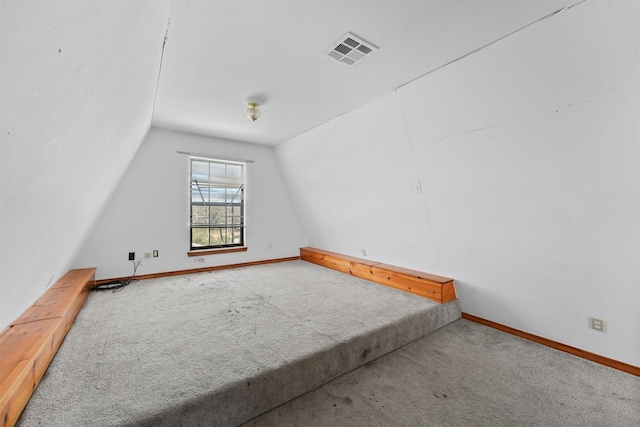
[[205, 252], [202, 270], [621, 366], [28, 344], [436, 288]]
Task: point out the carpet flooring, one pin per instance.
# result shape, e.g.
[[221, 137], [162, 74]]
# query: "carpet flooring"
[[467, 374], [295, 344], [222, 347]]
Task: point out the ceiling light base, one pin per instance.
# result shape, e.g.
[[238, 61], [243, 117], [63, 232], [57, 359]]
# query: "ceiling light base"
[[253, 111]]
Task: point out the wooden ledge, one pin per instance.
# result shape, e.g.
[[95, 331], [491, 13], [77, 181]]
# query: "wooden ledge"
[[202, 270], [203, 252], [28, 345], [431, 286]]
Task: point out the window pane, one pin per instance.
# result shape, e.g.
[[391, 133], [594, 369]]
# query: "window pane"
[[217, 171], [200, 170], [199, 237], [200, 215], [217, 204], [237, 235], [217, 236], [217, 215]]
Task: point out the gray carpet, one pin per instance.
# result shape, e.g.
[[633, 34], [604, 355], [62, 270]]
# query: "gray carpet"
[[466, 374], [220, 348]]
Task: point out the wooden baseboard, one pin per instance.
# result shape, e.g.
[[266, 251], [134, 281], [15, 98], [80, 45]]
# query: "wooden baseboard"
[[28, 344], [621, 366], [431, 286], [201, 270]]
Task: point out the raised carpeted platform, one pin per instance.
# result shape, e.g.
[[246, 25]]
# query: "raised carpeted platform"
[[220, 348], [467, 374]]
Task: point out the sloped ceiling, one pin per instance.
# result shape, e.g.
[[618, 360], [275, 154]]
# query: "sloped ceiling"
[[77, 84], [221, 54]]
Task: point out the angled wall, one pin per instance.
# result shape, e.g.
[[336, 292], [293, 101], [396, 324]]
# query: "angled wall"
[[528, 158], [77, 87], [353, 181], [150, 210]]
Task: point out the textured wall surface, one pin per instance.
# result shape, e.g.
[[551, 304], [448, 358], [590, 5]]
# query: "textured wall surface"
[[150, 209], [528, 161], [77, 90]]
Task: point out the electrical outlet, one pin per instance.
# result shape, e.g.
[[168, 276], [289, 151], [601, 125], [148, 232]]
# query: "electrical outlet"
[[132, 256], [364, 252], [155, 253], [596, 324]]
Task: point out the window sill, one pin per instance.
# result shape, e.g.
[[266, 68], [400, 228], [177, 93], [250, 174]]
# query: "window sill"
[[216, 251]]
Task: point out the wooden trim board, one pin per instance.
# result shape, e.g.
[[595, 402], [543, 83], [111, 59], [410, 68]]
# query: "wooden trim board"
[[436, 288], [205, 252], [621, 366], [201, 270], [28, 345]]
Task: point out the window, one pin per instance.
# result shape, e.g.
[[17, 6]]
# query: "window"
[[217, 204]]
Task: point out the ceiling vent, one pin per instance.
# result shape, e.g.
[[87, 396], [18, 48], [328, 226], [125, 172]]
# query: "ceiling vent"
[[350, 50]]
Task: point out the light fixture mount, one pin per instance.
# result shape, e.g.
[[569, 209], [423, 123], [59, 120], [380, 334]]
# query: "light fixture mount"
[[253, 111]]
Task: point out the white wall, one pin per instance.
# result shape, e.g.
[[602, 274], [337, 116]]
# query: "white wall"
[[528, 156], [150, 210], [354, 185], [77, 83]]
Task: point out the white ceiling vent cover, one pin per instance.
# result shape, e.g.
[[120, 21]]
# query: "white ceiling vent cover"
[[350, 50]]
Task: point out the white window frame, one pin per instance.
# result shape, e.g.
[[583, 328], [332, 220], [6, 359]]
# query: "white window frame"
[[224, 192]]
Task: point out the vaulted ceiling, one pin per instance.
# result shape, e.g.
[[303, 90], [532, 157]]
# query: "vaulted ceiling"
[[219, 55]]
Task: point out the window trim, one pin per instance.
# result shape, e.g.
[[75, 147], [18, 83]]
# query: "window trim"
[[229, 248], [199, 252]]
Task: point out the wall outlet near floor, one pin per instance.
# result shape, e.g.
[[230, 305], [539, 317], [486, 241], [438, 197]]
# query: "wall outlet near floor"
[[132, 256], [155, 253], [364, 252], [597, 324]]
